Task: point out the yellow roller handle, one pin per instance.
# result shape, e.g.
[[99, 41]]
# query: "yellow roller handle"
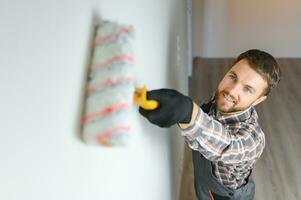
[[140, 99]]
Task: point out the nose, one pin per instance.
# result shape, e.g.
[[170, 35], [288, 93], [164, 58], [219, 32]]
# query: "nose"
[[234, 91]]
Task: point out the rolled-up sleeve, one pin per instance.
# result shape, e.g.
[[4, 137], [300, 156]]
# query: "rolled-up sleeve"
[[217, 143]]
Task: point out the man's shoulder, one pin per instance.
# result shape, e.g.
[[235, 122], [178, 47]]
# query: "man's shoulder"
[[253, 129]]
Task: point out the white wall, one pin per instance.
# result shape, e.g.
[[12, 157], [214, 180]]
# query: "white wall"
[[44, 51], [227, 28]]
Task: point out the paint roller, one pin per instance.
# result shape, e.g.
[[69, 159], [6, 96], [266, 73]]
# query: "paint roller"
[[110, 88]]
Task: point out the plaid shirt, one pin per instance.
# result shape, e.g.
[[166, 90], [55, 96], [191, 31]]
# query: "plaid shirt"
[[232, 143]]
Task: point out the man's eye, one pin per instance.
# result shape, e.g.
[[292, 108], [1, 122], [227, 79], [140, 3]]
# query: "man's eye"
[[248, 90], [232, 77]]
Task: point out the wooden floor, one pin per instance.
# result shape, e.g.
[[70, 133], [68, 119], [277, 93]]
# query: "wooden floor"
[[278, 172]]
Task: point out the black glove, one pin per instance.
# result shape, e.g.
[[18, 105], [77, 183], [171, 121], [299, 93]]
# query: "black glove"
[[174, 107]]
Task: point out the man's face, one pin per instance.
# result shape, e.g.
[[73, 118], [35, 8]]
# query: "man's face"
[[240, 88]]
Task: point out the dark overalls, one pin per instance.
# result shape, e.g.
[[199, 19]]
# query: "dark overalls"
[[206, 185]]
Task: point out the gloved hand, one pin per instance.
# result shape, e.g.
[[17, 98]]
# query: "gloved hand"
[[174, 107]]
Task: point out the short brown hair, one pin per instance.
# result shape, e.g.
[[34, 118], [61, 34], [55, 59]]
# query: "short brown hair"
[[264, 64]]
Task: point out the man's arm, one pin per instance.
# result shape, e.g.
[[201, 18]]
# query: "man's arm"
[[195, 110], [202, 132], [216, 143]]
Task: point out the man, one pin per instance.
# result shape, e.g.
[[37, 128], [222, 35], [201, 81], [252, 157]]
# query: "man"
[[224, 134]]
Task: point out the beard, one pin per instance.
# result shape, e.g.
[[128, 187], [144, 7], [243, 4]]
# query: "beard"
[[227, 107]]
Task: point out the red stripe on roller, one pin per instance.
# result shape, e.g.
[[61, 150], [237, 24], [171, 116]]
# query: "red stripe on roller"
[[108, 83], [105, 38], [122, 57], [104, 136], [211, 196], [106, 111]]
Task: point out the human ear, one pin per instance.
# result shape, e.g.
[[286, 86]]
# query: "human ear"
[[259, 100]]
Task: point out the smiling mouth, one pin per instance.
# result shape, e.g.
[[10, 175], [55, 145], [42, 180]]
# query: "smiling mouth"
[[228, 98]]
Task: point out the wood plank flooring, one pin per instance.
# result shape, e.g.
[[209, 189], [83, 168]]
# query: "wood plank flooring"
[[278, 172]]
